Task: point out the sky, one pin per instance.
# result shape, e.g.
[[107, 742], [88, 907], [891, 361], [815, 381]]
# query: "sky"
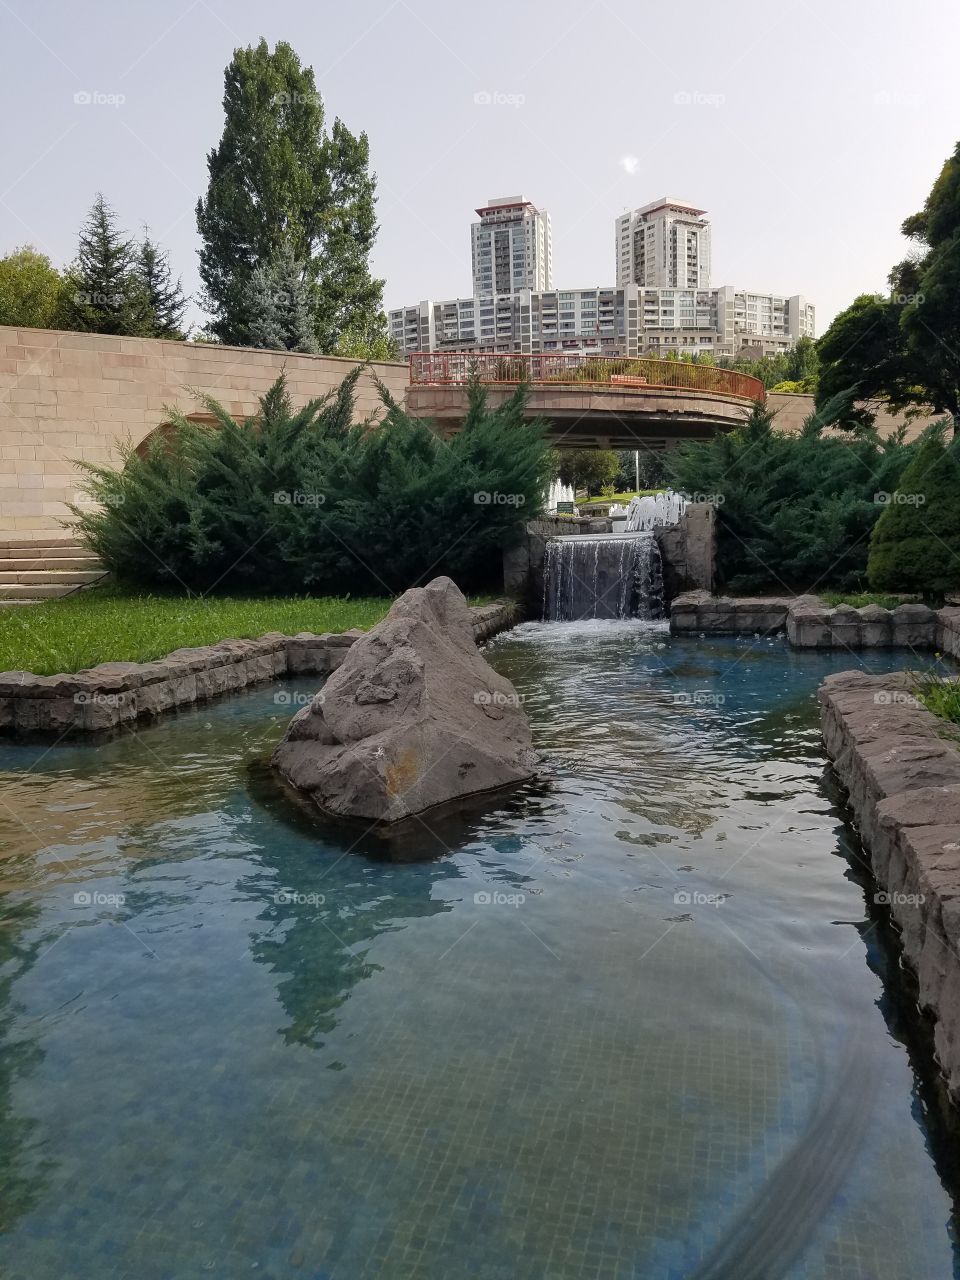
[[807, 130]]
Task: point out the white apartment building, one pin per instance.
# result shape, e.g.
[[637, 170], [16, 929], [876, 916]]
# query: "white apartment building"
[[664, 245], [511, 247], [663, 300], [625, 321]]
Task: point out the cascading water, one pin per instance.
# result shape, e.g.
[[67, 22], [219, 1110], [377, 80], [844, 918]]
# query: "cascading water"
[[655, 509], [602, 575]]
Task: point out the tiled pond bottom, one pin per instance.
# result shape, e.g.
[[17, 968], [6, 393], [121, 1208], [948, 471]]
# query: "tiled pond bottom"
[[578, 1046]]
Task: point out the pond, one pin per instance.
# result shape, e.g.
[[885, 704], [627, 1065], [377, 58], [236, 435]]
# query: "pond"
[[646, 1020]]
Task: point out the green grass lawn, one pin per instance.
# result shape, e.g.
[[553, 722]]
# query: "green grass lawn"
[[939, 694], [108, 624], [623, 497]]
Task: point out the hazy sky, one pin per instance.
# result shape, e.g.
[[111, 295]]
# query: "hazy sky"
[[808, 130]]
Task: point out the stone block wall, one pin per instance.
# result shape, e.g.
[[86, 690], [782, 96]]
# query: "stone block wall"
[[689, 550], [115, 694], [900, 765], [810, 624], [67, 396]]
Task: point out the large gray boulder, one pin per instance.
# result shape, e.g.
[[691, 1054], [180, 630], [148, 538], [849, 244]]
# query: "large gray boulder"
[[414, 717]]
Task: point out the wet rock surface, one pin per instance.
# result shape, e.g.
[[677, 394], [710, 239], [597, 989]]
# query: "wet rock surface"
[[413, 718]]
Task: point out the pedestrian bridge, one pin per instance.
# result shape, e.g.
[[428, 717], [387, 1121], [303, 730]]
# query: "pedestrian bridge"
[[589, 401]]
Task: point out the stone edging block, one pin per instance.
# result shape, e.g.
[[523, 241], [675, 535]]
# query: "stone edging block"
[[900, 765], [118, 693], [810, 624]]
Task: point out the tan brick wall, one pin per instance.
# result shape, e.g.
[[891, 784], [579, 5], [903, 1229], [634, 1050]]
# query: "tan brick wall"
[[68, 396], [792, 409]]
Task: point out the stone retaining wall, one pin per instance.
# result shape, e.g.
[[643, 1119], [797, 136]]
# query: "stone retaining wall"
[[118, 693], [810, 624], [67, 396], [900, 765]]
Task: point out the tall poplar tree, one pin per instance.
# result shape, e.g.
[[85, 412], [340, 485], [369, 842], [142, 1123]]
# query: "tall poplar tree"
[[280, 182]]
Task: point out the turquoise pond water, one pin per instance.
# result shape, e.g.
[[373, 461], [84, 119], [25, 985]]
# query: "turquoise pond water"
[[644, 1020]]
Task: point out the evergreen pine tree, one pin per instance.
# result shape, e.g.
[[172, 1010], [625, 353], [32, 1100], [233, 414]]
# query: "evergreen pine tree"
[[103, 293], [162, 300], [915, 545], [277, 302]]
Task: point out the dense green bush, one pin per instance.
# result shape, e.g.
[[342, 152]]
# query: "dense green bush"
[[795, 510], [307, 501], [915, 545]]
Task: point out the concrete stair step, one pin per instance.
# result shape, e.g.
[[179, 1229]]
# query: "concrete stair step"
[[29, 563], [54, 577], [24, 592], [28, 543]]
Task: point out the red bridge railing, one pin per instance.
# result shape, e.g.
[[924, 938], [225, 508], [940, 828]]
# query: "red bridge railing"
[[454, 368]]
